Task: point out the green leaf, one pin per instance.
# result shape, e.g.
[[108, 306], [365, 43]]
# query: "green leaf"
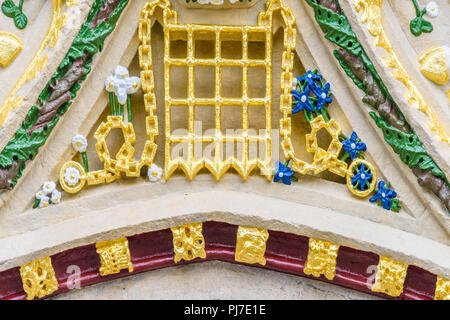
[[427, 26], [20, 20], [416, 26], [9, 8]]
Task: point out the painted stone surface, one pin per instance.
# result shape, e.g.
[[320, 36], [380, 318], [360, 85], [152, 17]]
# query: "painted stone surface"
[[305, 137]]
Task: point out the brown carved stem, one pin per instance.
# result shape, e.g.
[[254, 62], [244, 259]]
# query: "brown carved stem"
[[7, 174]]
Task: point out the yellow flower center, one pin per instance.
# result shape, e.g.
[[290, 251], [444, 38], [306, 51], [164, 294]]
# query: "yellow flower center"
[[155, 173], [135, 85], [79, 144], [56, 198], [72, 176], [45, 204], [111, 85], [124, 75]]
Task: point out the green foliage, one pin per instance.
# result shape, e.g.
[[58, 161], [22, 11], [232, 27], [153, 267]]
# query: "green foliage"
[[12, 11], [419, 24], [409, 147], [24, 147]]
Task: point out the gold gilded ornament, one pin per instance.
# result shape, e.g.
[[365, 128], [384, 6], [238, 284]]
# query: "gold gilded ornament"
[[10, 47], [188, 242], [433, 65], [321, 259], [442, 289], [114, 256], [38, 62], [370, 12], [251, 245], [217, 166], [390, 277], [38, 278]]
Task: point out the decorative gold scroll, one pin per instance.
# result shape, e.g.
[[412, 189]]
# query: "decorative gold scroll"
[[370, 12]]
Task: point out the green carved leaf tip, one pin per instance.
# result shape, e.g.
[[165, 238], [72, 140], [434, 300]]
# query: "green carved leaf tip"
[[20, 20], [336, 28], [395, 205], [9, 8], [408, 147]]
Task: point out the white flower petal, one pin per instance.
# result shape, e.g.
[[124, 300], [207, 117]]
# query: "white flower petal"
[[44, 202], [72, 176], [121, 94], [109, 84], [56, 197], [121, 72], [154, 173], [40, 195], [203, 1], [432, 9], [79, 143], [133, 84], [48, 187]]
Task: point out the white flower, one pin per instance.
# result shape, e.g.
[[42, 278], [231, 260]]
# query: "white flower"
[[121, 72], [203, 1], [56, 197], [133, 84], [216, 2], [79, 143], [44, 202], [40, 195], [233, 1], [432, 9], [48, 187], [72, 176], [122, 84], [154, 173], [109, 83]]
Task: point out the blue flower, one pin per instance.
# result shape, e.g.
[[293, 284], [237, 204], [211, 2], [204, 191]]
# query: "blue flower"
[[309, 77], [352, 146], [283, 173], [302, 100], [362, 176], [322, 95], [385, 194]]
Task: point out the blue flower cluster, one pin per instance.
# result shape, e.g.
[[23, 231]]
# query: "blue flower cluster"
[[302, 99], [353, 146], [283, 173], [385, 195]]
